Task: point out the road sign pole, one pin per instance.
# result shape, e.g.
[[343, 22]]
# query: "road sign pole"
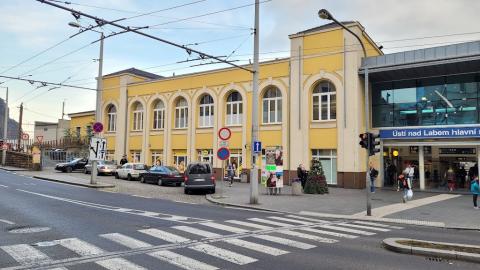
[[93, 174]]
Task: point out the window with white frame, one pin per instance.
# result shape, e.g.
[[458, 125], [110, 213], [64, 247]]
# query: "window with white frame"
[[159, 115], [328, 159], [206, 111], [234, 109], [205, 155], [272, 106], [138, 117], [157, 157], [135, 154], [324, 102], [112, 118], [181, 113]]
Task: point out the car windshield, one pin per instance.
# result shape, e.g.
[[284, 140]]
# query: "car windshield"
[[156, 168], [75, 160], [199, 169], [172, 170], [139, 167], [106, 162]]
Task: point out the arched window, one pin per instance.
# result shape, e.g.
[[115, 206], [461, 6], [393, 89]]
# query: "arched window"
[[272, 106], [234, 109], [159, 115], [324, 102], [137, 116], [111, 118], [206, 111], [181, 113]]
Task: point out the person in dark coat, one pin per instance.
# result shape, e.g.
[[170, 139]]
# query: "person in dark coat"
[[123, 160], [302, 174]]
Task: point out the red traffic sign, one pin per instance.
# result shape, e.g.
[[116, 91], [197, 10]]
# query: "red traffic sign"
[[223, 153], [39, 139], [25, 136], [5, 147], [98, 127], [224, 133]]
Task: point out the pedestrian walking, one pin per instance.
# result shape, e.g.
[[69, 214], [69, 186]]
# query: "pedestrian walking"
[[475, 189], [405, 184], [450, 175], [373, 174], [123, 160], [302, 174], [271, 185], [409, 173], [231, 172]]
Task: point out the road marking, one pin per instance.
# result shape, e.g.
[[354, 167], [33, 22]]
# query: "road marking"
[[284, 241], [249, 224], [196, 231], [378, 225], [165, 236], [343, 235], [25, 254], [125, 240], [224, 254], [309, 219], [59, 268], [266, 221], [291, 220], [7, 221], [363, 227], [331, 227], [224, 227], [181, 261], [80, 247], [119, 264], [185, 202], [308, 236], [3, 186]]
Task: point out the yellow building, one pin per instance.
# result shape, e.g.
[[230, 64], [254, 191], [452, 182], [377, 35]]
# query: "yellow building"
[[309, 107], [81, 123]]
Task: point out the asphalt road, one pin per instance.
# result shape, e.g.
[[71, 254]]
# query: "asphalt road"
[[45, 225]]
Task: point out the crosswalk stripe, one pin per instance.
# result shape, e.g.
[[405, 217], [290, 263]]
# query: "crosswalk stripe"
[[266, 221], [165, 236], [363, 227], [224, 227], [126, 241], [224, 254], [308, 236], [343, 235], [284, 241], [181, 261], [119, 264], [59, 268], [196, 231], [80, 247], [378, 225], [291, 220], [309, 219], [249, 224], [256, 247], [25, 254], [335, 228]]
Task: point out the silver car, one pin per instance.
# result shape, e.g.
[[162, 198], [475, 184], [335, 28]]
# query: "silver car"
[[104, 167]]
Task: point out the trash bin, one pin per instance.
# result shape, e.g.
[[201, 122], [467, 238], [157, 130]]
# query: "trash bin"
[[243, 177], [296, 187]]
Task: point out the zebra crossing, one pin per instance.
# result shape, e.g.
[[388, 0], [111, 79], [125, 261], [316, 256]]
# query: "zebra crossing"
[[230, 241]]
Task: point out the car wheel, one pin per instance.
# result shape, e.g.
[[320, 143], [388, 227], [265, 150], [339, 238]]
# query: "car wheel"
[[69, 169], [116, 176], [142, 180], [186, 191], [212, 191], [129, 177], [160, 182]]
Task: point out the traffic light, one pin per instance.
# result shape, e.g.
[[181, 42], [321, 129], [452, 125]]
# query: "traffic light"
[[363, 140], [373, 141]]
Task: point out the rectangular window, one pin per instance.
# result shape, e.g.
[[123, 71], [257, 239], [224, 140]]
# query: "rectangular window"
[[77, 131], [158, 119], [112, 122], [205, 155], [234, 113], [206, 115], [135, 156], [328, 159], [157, 157], [181, 117], [137, 121]]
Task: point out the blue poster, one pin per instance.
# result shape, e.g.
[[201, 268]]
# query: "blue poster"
[[430, 133]]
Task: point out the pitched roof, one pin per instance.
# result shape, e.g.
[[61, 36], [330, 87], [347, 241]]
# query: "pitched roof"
[[137, 72], [324, 27]]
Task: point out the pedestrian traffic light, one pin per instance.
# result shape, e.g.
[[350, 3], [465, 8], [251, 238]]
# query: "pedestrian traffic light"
[[373, 141], [363, 140]]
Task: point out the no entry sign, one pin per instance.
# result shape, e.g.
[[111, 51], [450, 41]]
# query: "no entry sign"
[[223, 153]]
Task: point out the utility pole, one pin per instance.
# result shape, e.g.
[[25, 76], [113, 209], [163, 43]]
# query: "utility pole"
[[63, 109], [254, 172], [20, 127], [5, 128]]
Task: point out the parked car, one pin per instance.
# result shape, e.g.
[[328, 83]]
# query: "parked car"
[[130, 171], [199, 176], [104, 167], [76, 164], [162, 175]]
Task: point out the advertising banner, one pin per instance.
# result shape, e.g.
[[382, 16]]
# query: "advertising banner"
[[430, 133], [274, 164]]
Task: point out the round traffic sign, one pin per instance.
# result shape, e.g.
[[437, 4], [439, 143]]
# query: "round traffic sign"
[[223, 153], [97, 127], [224, 133], [25, 136]]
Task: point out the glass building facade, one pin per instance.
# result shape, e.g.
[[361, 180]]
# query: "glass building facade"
[[443, 100]]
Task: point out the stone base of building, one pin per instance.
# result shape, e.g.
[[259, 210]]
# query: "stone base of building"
[[354, 180]]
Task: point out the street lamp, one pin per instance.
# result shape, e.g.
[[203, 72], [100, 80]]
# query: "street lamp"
[[99, 85], [5, 126], [324, 14]]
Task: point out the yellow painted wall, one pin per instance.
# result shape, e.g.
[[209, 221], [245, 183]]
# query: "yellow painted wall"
[[271, 138], [235, 140], [111, 87], [204, 141], [110, 143], [323, 51], [323, 138], [135, 142], [156, 141], [179, 141], [82, 122]]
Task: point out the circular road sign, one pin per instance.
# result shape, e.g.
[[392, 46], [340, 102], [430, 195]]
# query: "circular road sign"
[[98, 127], [25, 136], [223, 153], [224, 133]]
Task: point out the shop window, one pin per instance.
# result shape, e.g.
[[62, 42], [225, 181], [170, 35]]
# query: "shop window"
[[181, 113], [157, 158], [324, 102], [159, 115], [111, 118], [180, 162], [272, 106], [234, 109], [138, 117], [328, 159], [205, 155], [135, 156], [206, 111]]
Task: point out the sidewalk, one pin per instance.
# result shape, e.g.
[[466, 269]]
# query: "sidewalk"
[[427, 208], [66, 179]]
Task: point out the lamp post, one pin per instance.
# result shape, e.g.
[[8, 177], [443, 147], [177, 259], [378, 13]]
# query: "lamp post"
[[99, 88], [254, 171], [5, 127], [324, 14]]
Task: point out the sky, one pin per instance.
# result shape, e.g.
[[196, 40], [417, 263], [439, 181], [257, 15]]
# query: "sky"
[[219, 27]]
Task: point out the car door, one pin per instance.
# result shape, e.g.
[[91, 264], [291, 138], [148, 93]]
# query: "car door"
[[122, 171]]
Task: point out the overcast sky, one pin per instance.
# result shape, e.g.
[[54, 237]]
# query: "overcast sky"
[[28, 27]]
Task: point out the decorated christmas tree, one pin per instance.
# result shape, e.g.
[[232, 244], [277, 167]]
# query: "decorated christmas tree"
[[316, 181]]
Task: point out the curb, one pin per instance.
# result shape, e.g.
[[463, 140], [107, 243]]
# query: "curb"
[[14, 170], [392, 245], [209, 198], [74, 184]]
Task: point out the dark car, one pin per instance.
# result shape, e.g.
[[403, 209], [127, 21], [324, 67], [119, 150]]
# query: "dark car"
[[76, 164], [162, 175], [199, 176]]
